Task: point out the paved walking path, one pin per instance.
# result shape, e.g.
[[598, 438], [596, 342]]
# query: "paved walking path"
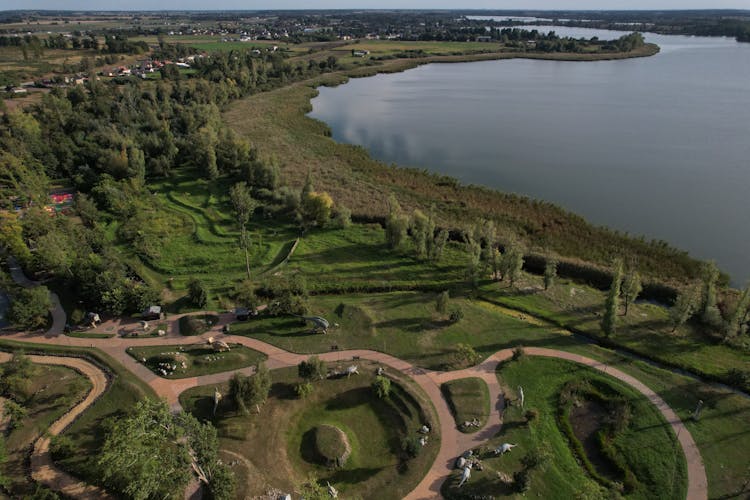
[[453, 442]]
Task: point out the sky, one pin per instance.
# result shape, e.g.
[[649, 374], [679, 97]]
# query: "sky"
[[371, 4]]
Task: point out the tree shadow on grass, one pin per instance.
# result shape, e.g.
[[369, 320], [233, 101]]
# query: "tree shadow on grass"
[[353, 476], [350, 399]]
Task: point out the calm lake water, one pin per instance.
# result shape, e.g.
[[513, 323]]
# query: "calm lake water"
[[656, 146]]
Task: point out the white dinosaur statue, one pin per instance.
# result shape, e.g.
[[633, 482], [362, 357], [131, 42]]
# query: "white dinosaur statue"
[[504, 448], [465, 476], [352, 370], [332, 491], [520, 395]]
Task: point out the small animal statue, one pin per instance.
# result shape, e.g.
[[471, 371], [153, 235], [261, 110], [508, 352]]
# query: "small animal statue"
[[520, 395], [332, 491], [465, 476], [352, 370], [503, 448], [460, 462], [424, 430]]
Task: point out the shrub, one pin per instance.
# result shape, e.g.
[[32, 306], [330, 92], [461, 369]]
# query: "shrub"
[[411, 446], [61, 447], [522, 481], [466, 355], [381, 386], [343, 217], [312, 369], [197, 293], [456, 314], [518, 353], [303, 389]]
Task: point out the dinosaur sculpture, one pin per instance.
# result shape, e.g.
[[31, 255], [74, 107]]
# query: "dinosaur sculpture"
[[503, 448], [465, 476], [520, 395], [319, 324], [218, 345], [333, 492]]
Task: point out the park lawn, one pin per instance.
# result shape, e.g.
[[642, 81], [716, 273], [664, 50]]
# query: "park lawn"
[[648, 444], [404, 324], [723, 431], [55, 390], [275, 444], [200, 359], [468, 399], [645, 330]]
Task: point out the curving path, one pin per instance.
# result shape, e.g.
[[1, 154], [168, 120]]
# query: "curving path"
[[453, 442]]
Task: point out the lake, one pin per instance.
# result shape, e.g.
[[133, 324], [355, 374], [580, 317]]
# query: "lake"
[[656, 146]]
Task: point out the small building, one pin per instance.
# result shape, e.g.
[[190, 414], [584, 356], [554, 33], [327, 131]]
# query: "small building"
[[152, 313]]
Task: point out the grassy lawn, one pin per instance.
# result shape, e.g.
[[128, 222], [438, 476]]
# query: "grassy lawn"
[[199, 359], [644, 330], [277, 446], [723, 431], [468, 399], [648, 444], [404, 324], [54, 389]]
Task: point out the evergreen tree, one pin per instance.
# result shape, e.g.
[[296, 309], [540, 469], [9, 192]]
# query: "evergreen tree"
[[396, 225], [737, 323], [683, 308]]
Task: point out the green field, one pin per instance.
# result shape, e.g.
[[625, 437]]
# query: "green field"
[[199, 359], [404, 324], [648, 444], [468, 399], [374, 429]]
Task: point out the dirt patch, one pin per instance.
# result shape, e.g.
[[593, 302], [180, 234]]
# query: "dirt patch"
[[586, 421]]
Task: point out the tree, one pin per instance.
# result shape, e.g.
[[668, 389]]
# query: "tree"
[[631, 288], [343, 217], [244, 294], [683, 308], [550, 273], [422, 233], [30, 307], [197, 293], [474, 254], [441, 305], [396, 225], [249, 391], [312, 369], [316, 208], [244, 205], [737, 322], [612, 304], [466, 355], [16, 376], [141, 457], [15, 412], [710, 314], [511, 262], [381, 386]]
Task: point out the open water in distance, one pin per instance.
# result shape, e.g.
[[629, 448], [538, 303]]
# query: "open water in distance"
[[656, 146]]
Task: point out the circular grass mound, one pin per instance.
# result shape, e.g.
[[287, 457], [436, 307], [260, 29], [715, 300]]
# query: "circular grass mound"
[[332, 445]]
